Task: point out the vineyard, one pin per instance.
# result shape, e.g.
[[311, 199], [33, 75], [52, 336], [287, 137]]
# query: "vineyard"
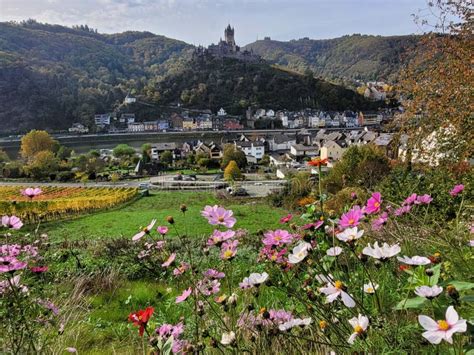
[[58, 202]]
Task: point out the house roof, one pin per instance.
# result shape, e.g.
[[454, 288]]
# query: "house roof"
[[305, 148], [384, 139]]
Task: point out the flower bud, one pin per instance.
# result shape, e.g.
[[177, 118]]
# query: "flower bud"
[[429, 272], [183, 208], [170, 219]]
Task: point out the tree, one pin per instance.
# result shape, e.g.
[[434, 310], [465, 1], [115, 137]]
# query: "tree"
[[232, 153], [123, 151], [265, 161], [438, 83], [232, 172], [34, 142], [4, 158], [63, 153], [167, 158], [146, 153], [42, 165]]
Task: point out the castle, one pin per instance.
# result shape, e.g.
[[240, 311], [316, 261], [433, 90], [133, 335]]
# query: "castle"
[[227, 48]]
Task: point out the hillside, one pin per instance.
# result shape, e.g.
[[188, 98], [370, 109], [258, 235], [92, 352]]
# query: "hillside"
[[235, 85], [52, 75], [350, 57]]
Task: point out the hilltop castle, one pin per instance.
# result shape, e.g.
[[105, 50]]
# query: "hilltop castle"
[[227, 48]]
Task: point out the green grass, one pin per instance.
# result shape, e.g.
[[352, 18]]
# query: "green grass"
[[253, 215]]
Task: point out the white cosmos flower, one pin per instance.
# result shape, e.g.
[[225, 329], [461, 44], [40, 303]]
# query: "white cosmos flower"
[[257, 279], [350, 234], [144, 231], [370, 288], [228, 338], [299, 253], [359, 324], [381, 252], [294, 323], [414, 260], [335, 251], [442, 329], [428, 292], [334, 290]]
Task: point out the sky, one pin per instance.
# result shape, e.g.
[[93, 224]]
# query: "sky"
[[203, 21]]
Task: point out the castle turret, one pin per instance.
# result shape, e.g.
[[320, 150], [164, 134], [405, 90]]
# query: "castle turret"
[[229, 37]]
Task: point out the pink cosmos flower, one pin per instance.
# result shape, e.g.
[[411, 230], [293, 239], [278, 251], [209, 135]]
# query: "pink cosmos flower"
[[181, 269], [162, 230], [374, 203], [31, 192], [402, 210], [423, 200], [229, 249], [218, 237], [145, 230], [277, 237], [351, 218], [5, 286], [410, 200], [286, 218], [428, 292], [30, 250], [415, 260], [471, 243], [378, 222], [70, 349], [184, 295], [456, 190], [39, 269], [10, 263], [12, 222], [49, 305], [214, 274], [169, 261], [353, 195], [10, 250], [442, 329], [312, 226], [208, 287], [275, 255], [335, 251], [216, 215]]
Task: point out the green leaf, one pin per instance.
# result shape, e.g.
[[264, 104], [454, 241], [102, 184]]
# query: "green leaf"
[[468, 298], [436, 272], [417, 302]]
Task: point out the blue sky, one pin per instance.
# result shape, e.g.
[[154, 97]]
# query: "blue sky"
[[203, 21]]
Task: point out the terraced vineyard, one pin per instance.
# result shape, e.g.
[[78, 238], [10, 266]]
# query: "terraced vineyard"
[[56, 202]]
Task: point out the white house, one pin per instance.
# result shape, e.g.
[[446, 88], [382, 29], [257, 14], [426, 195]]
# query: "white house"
[[254, 149], [129, 99], [299, 150], [136, 127], [280, 142], [332, 150], [270, 113], [78, 128], [221, 112], [102, 119]]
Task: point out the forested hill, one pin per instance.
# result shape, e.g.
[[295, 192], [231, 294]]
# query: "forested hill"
[[352, 57], [233, 84], [51, 76]]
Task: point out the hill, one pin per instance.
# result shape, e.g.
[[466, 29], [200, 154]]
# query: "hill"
[[52, 76], [356, 57], [224, 82]]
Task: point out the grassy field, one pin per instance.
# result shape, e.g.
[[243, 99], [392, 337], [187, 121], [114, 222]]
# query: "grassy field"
[[253, 215]]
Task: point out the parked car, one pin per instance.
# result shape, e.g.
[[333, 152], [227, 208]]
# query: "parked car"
[[239, 192], [144, 186]]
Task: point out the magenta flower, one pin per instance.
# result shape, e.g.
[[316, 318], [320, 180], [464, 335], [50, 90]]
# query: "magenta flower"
[[208, 287], [410, 200], [286, 218], [456, 190], [218, 237], [378, 222], [373, 203], [10, 263], [31, 192], [229, 249], [216, 215], [423, 200], [277, 237], [214, 274], [402, 210], [351, 218], [162, 230], [312, 226], [184, 295], [169, 261], [12, 222], [39, 269], [10, 250], [273, 254]]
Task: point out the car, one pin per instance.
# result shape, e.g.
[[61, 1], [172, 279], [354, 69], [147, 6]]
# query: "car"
[[240, 192], [144, 185], [258, 184]]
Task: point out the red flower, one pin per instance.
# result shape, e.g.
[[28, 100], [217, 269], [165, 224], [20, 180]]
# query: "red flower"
[[286, 219], [318, 162], [403, 267], [141, 318]]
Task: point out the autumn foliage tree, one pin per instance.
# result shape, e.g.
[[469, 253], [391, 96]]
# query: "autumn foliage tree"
[[232, 172], [36, 141], [438, 81]]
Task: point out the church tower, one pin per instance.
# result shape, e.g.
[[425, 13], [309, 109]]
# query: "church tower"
[[229, 37]]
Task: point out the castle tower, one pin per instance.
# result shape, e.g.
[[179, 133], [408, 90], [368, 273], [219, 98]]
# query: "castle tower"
[[229, 37]]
